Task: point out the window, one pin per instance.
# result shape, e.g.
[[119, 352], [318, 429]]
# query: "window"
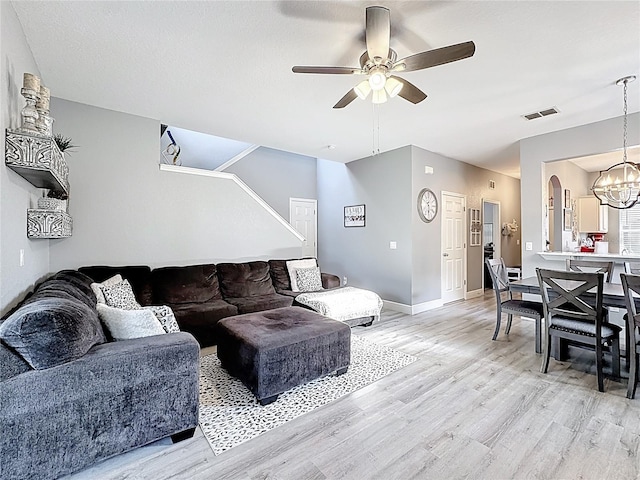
[[630, 229]]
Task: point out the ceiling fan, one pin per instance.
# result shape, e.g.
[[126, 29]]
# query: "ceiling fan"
[[379, 61]]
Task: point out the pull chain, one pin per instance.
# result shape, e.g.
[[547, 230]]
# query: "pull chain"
[[375, 141]]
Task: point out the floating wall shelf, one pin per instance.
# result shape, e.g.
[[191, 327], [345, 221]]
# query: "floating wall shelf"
[[48, 223], [38, 159]]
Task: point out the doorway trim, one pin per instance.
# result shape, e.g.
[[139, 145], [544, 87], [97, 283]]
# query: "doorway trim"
[[497, 229]]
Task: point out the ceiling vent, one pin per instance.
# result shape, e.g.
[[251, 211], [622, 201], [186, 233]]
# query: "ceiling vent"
[[541, 113]]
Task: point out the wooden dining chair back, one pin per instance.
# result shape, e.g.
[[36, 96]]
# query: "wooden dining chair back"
[[568, 316], [591, 266], [505, 303], [631, 289]]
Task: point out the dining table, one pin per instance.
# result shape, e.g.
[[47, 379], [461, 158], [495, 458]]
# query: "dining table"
[[612, 296]]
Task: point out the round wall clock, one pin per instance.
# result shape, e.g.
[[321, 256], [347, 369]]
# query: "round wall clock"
[[427, 205]]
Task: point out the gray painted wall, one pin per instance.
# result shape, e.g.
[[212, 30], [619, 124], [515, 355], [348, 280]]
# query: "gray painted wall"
[[16, 193], [389, 185], [277, 176], [591, 139], [126, 211], [453, 176], [383, 184]]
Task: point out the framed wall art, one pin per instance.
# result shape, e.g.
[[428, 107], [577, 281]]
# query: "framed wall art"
[[354, 216], [567, 217]]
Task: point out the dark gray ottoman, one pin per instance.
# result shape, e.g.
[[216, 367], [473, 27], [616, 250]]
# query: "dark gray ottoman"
[[275, 350]]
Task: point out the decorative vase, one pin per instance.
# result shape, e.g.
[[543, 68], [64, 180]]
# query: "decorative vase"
[[46, 203]]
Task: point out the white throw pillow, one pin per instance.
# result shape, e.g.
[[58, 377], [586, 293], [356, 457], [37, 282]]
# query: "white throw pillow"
[[126, 324], [309, 279], [97, 287], [120, 295], [292, 265]]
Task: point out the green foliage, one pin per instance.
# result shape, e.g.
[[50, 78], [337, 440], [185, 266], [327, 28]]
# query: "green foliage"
[[64, 143]]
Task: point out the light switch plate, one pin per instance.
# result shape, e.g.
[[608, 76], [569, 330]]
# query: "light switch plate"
[[393, 245], [528, 246]]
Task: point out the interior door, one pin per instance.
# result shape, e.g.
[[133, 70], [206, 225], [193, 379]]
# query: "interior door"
[[303, 217], [453, 247]]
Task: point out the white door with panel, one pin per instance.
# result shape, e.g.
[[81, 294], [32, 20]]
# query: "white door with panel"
[[453, 247], [303, 218]]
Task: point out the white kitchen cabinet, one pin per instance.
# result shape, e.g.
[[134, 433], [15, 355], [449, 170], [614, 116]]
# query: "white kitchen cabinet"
[[592, 217]]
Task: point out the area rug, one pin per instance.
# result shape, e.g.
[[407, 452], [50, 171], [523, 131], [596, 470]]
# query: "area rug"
[[230, 414]]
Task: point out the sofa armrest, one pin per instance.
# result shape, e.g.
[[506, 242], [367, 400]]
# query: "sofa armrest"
[[329, 280], [118, 396]]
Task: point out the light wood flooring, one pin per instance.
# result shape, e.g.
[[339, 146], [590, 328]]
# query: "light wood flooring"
[[468, 408]]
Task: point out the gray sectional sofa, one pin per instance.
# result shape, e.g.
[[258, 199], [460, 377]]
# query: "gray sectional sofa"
[[70, 398], [202, 295]]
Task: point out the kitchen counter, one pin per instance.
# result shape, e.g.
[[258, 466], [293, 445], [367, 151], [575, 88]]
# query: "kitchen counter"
[[615, 257]]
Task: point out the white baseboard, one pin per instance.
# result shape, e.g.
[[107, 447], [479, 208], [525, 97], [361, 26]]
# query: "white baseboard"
[[474, 293], [412, 309]]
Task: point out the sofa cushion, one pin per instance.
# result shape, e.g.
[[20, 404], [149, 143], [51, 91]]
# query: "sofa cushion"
[[52, 331], [199, 319], [189, 284], [280, 273], [261, 302], [126, 324], [62, 289], [79, 280], [11, 364], [250, 279], [139, 277]]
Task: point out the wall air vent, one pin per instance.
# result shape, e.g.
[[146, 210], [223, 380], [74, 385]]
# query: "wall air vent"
[[541, 113]]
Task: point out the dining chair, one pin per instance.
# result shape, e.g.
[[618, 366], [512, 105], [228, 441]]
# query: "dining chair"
[[631, 286], [568, 317], [509, 305], [589, 266], [632, 268]]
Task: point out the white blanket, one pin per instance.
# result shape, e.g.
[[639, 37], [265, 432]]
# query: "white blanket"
[[343, 303]]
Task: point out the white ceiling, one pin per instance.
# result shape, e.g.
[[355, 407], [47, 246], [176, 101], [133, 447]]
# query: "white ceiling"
[[224, 68]]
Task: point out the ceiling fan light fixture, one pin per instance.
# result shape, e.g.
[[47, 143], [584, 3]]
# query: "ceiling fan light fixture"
[[393, 87], [377, 79], [362, 89], [379, 96]]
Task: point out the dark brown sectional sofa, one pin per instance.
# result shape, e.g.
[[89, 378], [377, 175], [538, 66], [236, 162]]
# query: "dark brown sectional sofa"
[[201, 295]]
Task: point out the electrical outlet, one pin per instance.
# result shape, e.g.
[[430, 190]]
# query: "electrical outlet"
[[22, 257], [518, 242], [344, 280]]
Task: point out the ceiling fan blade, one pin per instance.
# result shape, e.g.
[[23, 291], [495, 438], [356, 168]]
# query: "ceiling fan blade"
[[378, 32], [329, 70], [347, 99], [436, 57], [410, 91]]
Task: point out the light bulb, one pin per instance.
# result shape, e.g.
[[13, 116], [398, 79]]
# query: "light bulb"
[[379, 96], [393, 87], [377, 79], [362, 89]]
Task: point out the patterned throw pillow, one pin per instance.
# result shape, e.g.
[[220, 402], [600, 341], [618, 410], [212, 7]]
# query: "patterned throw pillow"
[[97, 287], [309, 279], [121, 296], [293, 265], [166, 317]]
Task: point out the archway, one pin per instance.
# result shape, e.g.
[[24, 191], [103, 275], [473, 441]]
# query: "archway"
[[554, 207]]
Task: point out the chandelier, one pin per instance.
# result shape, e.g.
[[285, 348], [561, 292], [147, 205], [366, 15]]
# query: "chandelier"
[[619, 185]]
